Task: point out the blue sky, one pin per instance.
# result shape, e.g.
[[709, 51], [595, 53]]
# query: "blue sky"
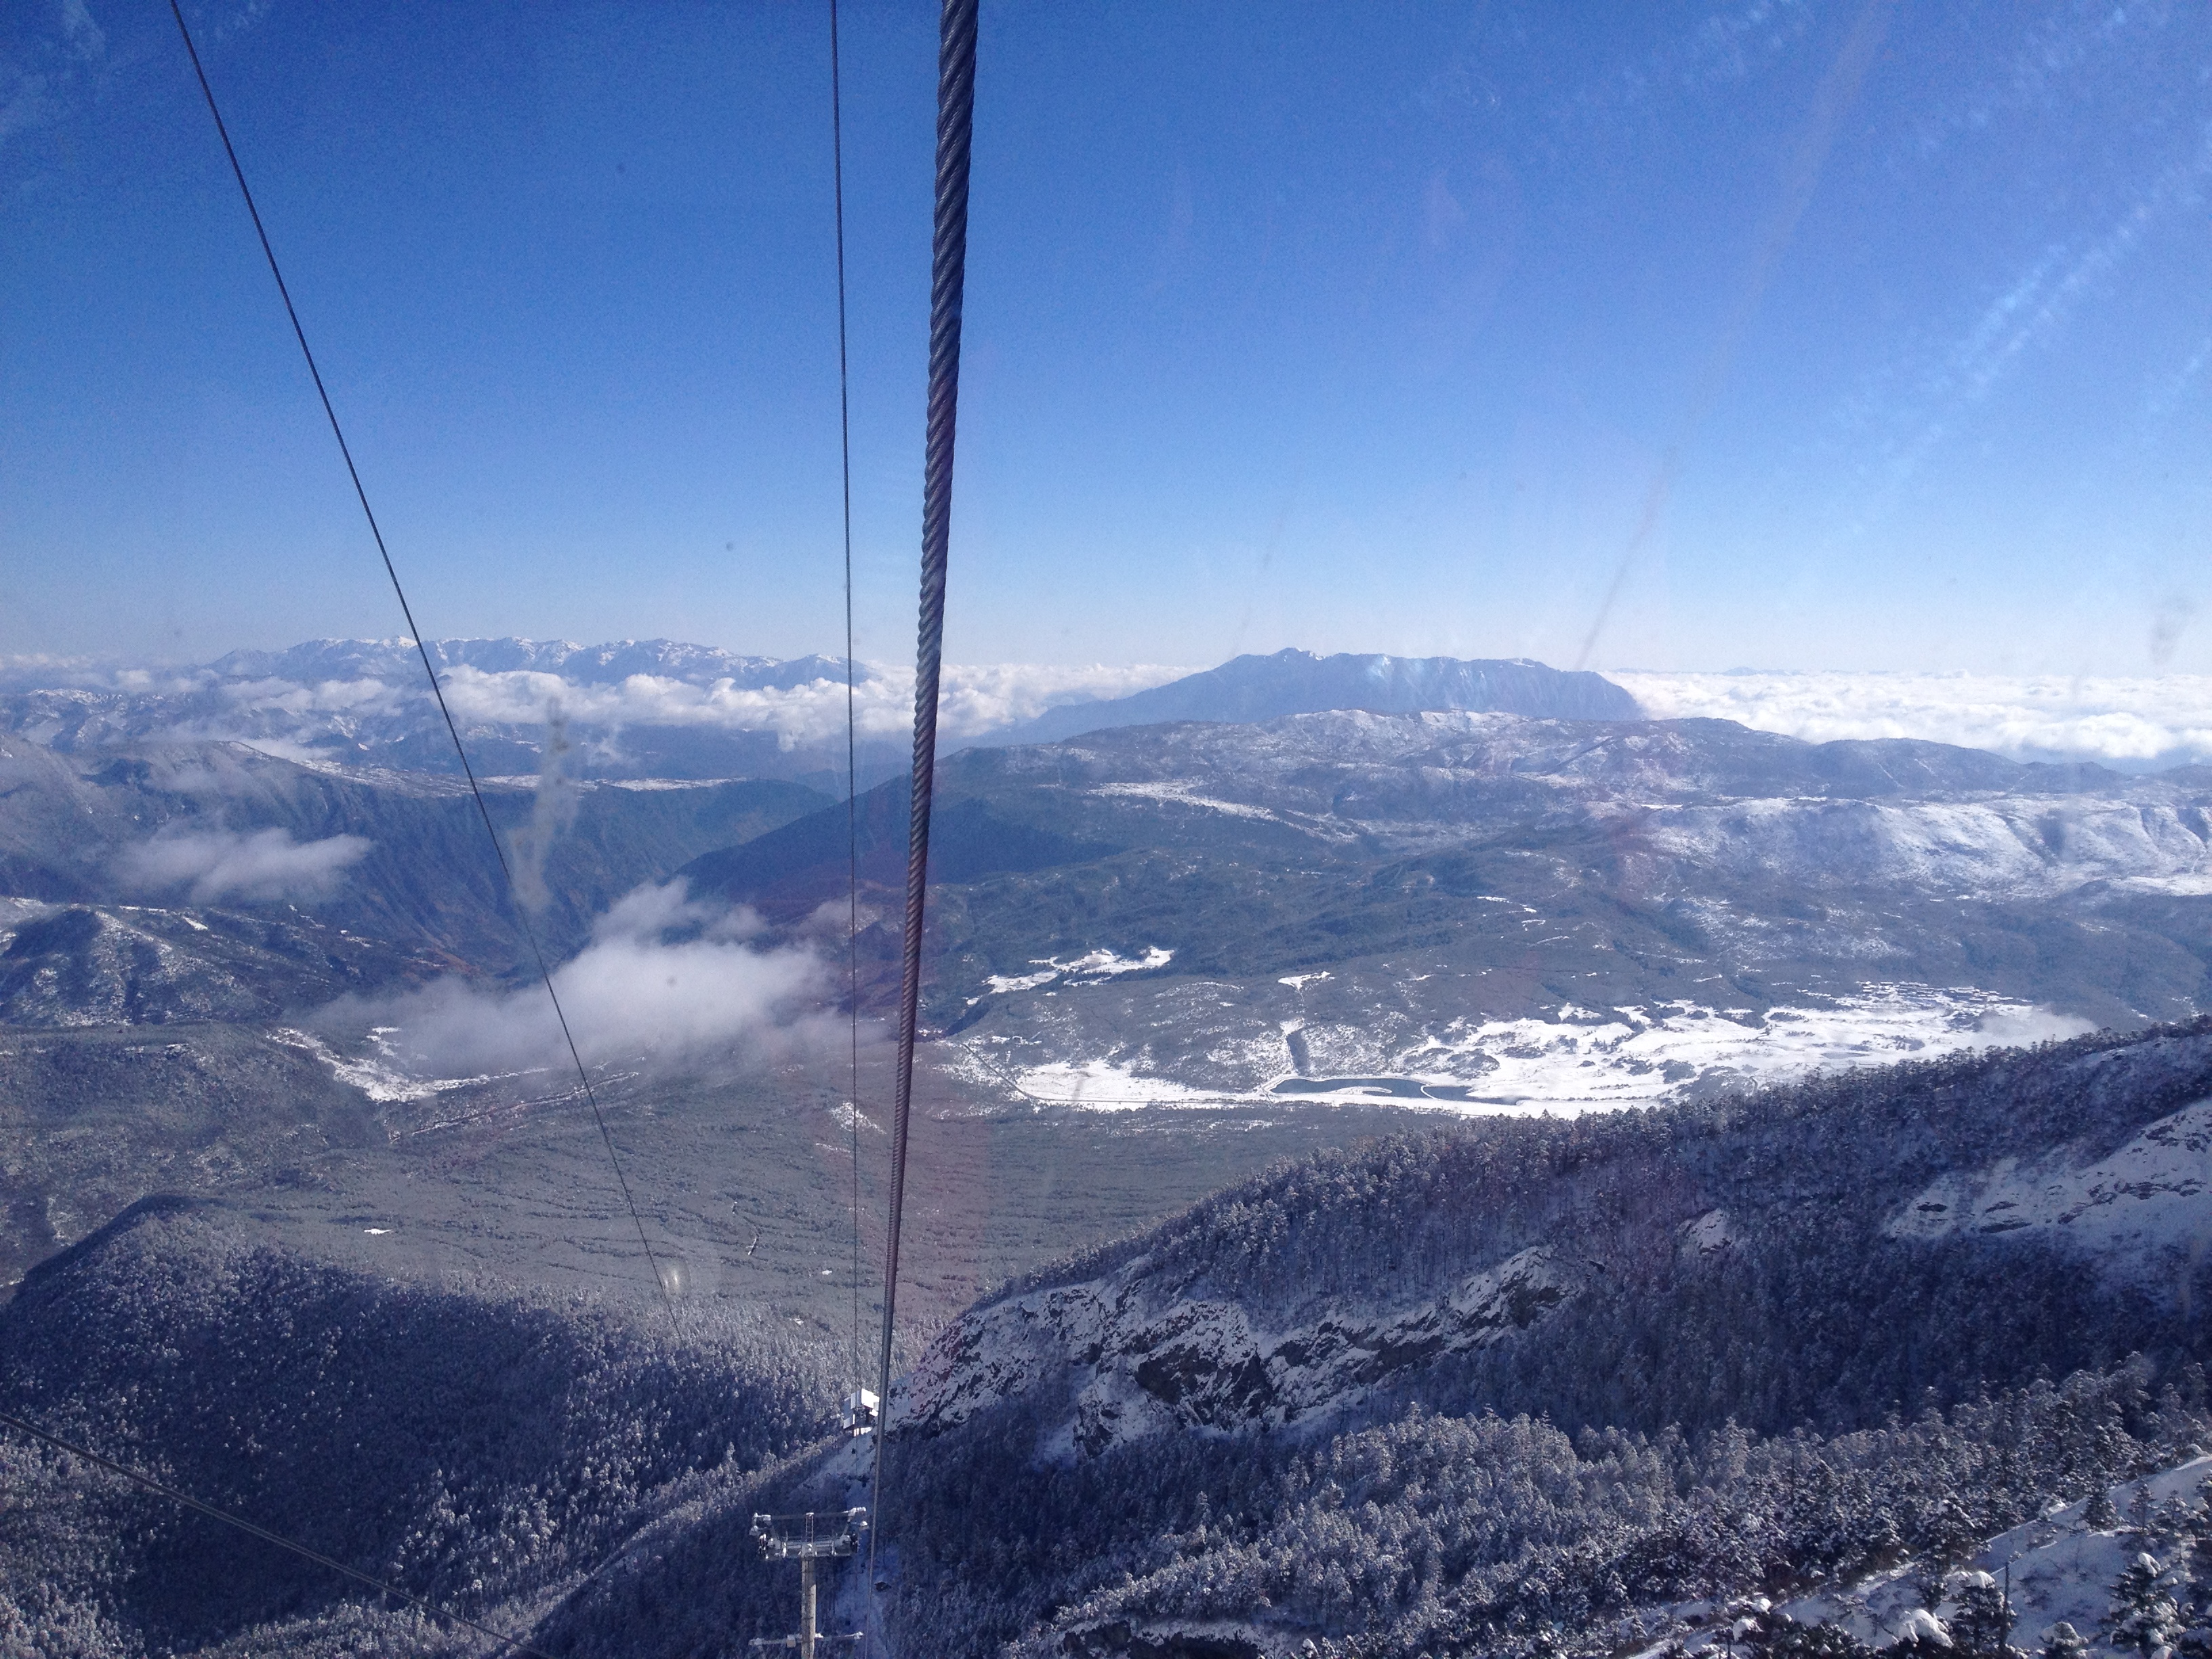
[[1818, 335]]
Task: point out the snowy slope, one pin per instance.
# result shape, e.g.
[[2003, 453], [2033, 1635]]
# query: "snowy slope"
[[2134, 1206], [2059, 1568]]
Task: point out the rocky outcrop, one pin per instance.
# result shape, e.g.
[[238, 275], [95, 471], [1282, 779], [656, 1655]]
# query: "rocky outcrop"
[[1137, 1364]]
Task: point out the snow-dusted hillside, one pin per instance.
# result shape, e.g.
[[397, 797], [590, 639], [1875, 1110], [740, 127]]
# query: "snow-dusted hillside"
[[2061, 1568], [1446, 1272], [1483, 913]]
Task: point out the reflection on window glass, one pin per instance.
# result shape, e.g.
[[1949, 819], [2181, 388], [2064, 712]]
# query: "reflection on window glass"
[[1562, 1002]]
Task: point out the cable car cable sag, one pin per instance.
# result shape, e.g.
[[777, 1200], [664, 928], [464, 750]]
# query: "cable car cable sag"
[[422, 650], [852, 744], [956, 111]]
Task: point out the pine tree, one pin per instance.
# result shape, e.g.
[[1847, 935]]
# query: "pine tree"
[[2139, 1511], [1791, 1641], [2144, 1617], [1984, 1621], [2064, 1642], [2102, 1514]]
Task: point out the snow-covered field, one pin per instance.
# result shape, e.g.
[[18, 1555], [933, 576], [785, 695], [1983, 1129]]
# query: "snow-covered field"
[[1575, 1060]]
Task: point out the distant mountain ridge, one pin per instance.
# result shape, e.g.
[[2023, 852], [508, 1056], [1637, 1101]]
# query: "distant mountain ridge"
[[1250, 688], [674, 710], [608, 664]]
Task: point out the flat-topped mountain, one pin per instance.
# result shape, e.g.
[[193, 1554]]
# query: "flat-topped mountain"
[[1253, 687]]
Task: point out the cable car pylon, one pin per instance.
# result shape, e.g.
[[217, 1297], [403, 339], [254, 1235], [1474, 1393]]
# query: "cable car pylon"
[[814, 1535]]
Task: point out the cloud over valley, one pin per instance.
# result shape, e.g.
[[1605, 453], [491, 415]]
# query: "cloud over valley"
[[664, 981], [215, 865]]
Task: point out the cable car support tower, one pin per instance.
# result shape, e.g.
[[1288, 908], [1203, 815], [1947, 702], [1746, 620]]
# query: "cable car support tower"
[[815, 1535]]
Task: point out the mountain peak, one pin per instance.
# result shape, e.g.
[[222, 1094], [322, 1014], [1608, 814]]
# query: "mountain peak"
[[1292, 681]]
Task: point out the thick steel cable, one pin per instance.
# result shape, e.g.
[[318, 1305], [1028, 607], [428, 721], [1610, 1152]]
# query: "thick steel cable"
[[266, 1536], [361, 494], [852, 743], [956, 110]]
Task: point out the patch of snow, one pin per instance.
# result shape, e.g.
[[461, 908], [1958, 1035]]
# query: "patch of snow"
[[1103, 1085], [1639, 1056], [1092, 966], [1579, 1060], [2059, 1569], [1001, 984], [2154, 1191], [380, 1082], [1708, 1234], [1186, 794], [2195, 885]]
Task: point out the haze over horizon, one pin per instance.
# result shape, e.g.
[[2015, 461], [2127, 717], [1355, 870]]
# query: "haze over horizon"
[[2134, 722]]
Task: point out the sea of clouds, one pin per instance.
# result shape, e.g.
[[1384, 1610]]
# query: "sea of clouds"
[[973, 699], [2132, 723]]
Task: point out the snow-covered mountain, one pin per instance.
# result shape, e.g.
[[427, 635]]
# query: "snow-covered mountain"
[[1469, 910], [340, 871], [1656, 1382], [1469, 1270], [1254, 688]]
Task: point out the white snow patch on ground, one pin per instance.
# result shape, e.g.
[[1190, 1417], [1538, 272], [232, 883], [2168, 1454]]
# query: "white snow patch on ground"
[[1001, 984], [2149, 1194], [1091, 966], [1574, 1061], [1186, 794], [1638, 1055], [1103, 1085], [2060, 1570], [375, 1077], [2195, 884]]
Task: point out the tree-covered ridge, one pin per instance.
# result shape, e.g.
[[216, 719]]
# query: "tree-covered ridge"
[[474, 1445], [1858, 1139], [1746, 1260], [1755, 1385]]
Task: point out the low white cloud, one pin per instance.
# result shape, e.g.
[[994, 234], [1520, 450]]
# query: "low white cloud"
[[256, 864], [665, 980], [297, 718], [2129, 722], [972, 700]]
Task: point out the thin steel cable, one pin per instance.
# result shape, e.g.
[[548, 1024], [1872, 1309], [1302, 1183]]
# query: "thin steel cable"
[[852, 744], [264, 1534], [361, 494], [956, 111]]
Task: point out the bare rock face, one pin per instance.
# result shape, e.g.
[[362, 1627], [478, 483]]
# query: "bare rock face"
[[1139, 1363]]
